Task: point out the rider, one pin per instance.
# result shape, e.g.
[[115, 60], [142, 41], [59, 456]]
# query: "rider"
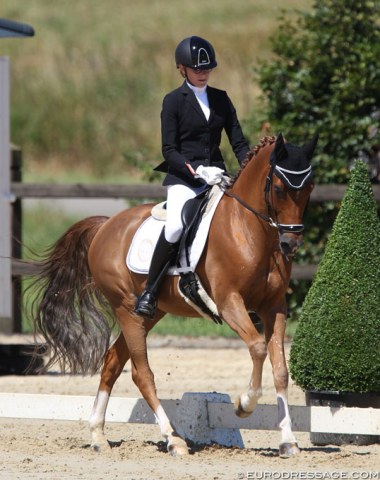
[[192, 120]]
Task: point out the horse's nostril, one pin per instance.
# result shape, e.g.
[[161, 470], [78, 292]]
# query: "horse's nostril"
[[286, 248], [290, 245]]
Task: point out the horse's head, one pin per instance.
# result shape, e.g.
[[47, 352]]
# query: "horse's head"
[[287, 190]]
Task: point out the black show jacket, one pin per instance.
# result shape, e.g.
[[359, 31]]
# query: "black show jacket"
[[187, 136]]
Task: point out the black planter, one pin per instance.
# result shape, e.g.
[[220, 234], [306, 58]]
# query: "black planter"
[[342, 399], [15, 359]]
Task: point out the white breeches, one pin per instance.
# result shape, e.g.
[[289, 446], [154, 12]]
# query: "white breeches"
[[177, 196]]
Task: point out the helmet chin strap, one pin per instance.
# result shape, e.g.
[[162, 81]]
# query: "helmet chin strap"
[[185, 76], [182, 71]]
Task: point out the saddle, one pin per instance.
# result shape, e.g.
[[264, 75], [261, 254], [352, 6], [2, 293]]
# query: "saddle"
[[189, 285], [191, 218], [197, 214]]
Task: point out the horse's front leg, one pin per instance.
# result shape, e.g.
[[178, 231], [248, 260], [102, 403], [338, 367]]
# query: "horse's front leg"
[[235, 314], [246, 402], [275, 333]]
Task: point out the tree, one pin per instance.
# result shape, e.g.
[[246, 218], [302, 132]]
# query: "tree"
[[326, 78], [336, 345]]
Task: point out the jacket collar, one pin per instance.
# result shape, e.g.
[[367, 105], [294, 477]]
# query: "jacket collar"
[[191, 98]]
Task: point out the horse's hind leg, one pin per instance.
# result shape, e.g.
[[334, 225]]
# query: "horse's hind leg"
[[115, 359], [134, 330], [275, 340]]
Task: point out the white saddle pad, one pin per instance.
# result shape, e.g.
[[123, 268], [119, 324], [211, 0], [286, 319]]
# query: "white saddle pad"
[[141, 250]]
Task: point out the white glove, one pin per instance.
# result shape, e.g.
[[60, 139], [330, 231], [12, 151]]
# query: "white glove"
[[211, 175]]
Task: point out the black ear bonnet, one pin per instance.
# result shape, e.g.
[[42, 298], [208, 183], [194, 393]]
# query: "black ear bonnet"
[[291, 163]]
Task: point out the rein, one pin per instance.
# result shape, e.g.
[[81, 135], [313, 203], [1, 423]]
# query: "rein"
[[261, 215]]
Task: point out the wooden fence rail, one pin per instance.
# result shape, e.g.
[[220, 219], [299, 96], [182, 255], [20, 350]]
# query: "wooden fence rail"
[[321, 193], [22, 268], [20, 191]]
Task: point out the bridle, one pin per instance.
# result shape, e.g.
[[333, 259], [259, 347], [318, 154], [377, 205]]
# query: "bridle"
[[296, 228]]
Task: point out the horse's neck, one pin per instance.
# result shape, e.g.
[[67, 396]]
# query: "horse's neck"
[[249, 187], [251, 183]]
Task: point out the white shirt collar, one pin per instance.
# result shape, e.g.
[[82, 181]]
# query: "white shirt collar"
[[197, 90], [201, 96]]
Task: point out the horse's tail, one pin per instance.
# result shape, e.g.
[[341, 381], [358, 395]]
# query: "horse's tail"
[[69, 311]]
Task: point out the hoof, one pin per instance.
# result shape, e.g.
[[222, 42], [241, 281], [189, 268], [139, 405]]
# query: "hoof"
[[288, 450], [178, 448], [239, 411], [100, 447]]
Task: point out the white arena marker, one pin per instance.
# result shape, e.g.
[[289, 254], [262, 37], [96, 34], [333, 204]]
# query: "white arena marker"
[[201, 417], [349, 420], [78, 408], [192, 420], [264, 417]]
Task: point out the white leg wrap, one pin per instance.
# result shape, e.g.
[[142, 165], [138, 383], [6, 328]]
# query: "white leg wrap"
[[164, 422], [248, 401], [97, 418], [284, 421]]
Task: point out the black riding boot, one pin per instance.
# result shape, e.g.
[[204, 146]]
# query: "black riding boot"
[[163, 255]]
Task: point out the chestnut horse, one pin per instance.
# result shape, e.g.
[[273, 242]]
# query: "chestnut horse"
[[246, 266]]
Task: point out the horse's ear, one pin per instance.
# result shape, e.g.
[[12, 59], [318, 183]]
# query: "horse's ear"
[[310, 147], [280, 152]]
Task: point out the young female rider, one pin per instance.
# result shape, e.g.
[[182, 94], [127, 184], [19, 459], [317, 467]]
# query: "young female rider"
[[192, 120]]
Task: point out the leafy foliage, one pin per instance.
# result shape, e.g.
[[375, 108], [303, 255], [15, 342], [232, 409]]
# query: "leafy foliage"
[[336, 345], [325, 78]]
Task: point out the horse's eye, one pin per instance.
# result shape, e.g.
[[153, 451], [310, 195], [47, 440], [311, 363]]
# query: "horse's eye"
[[279, 191]]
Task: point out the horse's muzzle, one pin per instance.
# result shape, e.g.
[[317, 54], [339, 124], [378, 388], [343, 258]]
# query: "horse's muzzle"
[[290, 243]]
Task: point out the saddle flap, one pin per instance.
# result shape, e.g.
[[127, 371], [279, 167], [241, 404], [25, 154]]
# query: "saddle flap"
[[192, 213], [143, 243], [192, 208]]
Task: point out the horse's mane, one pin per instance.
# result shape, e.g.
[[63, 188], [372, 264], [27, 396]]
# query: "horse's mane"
[[263, 142]]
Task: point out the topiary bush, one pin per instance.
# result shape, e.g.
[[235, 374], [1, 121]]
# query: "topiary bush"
[[336, 345]]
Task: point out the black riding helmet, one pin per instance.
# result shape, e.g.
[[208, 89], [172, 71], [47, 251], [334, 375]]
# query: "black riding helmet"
[[195, 52]]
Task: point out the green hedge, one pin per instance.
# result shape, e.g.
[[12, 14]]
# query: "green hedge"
[[336, 345]]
